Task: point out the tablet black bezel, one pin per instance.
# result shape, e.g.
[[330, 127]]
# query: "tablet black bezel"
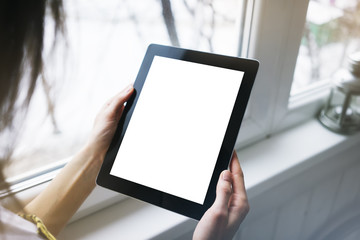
[[156, 197]]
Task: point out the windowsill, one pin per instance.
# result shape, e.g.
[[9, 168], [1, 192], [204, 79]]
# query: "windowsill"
[[265, 165], [274, 160]]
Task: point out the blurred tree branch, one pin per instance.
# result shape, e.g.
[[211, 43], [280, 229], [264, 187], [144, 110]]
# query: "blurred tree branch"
[[170, 22], [50, 103]]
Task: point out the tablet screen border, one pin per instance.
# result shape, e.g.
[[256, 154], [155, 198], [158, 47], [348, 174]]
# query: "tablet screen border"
[[156, 197]]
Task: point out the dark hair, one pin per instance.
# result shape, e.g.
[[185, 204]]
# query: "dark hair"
[[21, 63]]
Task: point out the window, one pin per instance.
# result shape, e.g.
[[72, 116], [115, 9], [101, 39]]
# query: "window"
[[330, 34], [102, 52], [277, 31], [106, 42]]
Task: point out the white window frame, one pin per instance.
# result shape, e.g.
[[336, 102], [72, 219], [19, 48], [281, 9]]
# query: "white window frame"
[[275, 37]]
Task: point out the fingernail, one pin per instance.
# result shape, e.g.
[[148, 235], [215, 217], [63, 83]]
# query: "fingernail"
[[226, 176]]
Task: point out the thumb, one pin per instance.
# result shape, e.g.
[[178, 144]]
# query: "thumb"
[[116, 104], [223, 190]]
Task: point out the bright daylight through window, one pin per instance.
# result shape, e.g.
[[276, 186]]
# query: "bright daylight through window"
[[331, 33], [104, 44]]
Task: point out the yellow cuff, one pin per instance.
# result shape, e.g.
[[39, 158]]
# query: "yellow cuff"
[[42, 230]]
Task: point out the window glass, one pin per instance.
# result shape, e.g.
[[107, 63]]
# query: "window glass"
[[331, 33], [101, 54]]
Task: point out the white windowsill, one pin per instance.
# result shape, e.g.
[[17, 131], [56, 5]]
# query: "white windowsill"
[[274, 160], [265, 164]]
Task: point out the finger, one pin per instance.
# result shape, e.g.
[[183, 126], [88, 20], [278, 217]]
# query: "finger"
[[238, 206], [117, 102], [238, 176], [223, 191]]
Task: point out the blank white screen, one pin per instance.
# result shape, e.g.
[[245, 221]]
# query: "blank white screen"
[[174, 136]]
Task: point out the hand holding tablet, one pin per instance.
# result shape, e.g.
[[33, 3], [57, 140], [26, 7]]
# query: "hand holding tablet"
[[222, 219], [179, 128]]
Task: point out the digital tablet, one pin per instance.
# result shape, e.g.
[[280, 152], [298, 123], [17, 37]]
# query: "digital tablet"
[[179, 128]]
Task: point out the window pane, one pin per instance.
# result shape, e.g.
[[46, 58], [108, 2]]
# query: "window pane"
[[105, 44], [331, 33]]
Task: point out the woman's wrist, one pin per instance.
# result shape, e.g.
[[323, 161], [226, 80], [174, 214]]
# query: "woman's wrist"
[[91, 154], [67, 191]]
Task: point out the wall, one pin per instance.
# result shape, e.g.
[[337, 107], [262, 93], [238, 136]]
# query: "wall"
[[315, 204]]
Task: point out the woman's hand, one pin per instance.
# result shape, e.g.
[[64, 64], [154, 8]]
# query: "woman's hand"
[[223, 219], [106, 123], [73, 184]]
